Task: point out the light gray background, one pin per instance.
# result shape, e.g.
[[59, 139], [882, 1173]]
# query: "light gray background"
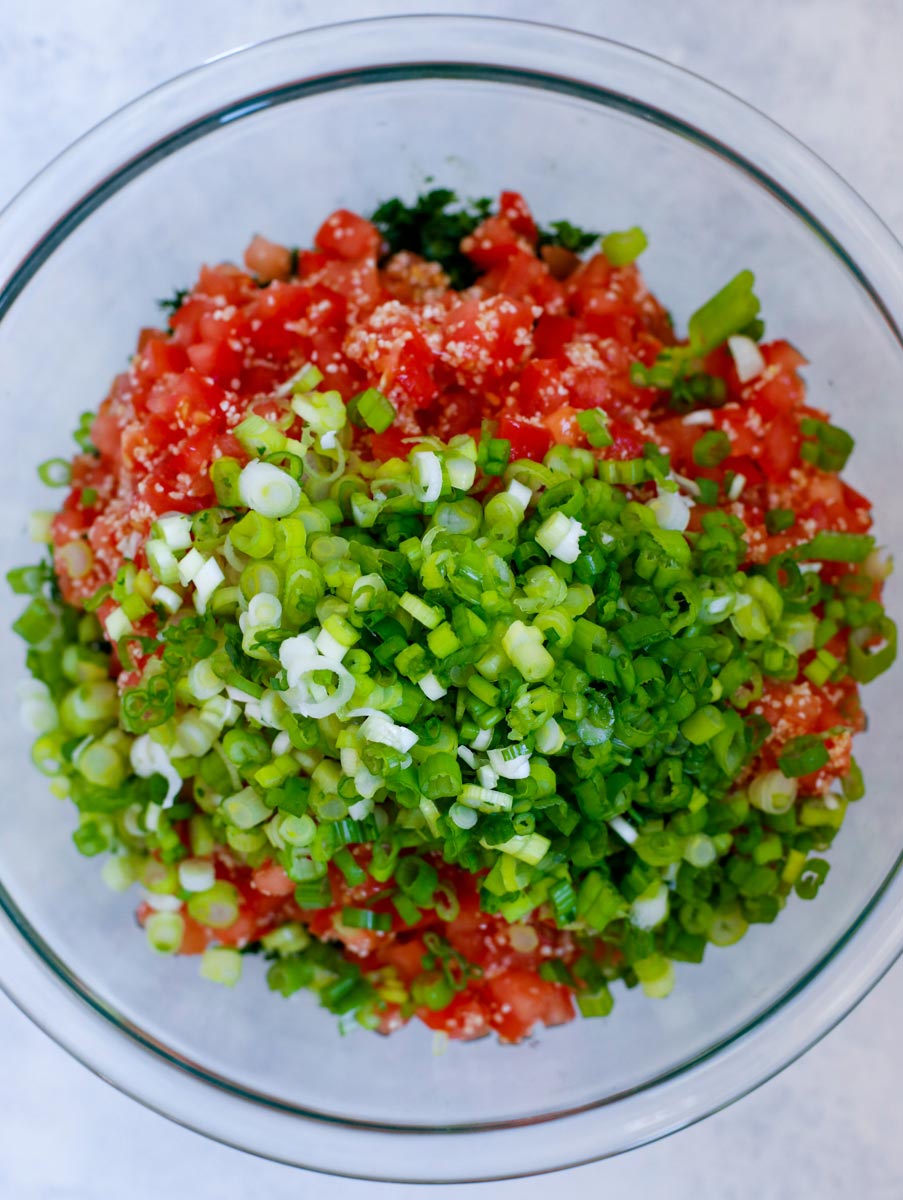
[[829, 70]]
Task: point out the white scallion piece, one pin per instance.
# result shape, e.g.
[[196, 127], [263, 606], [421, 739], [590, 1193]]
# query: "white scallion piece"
[[647, 912], [701, 416], [671, 511], [462, 471], [267, 490], [175, 530], [329, 646], [168, 598], [426, 476], [690, 486], [189, 566], [37, 711], [624, 830], [521, 493], [203, 681], [550, 737], [560, 537], [463, 817], [196, 874], [486, 777], [149, 758], [484, 799], [431, 687], [747, 357], [878, 565], [510, 762], [117, 625], [206, 581], [265, 611], [738, 483], [384, 730]]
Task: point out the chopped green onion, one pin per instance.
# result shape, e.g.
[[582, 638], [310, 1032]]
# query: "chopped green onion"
[[828, 546], [221, 964], [55, 472], [364, 918], [267, 490], [594, 423], [803, 755], [621, 249], [371, 410], [711, 449], [164, 931]]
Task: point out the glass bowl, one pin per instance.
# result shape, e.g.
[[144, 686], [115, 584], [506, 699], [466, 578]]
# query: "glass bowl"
[[272, 139]]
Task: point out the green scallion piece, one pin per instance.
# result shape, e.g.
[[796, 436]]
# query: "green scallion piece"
[[711, 449], [623, 248], [803, 755], [371, 410]]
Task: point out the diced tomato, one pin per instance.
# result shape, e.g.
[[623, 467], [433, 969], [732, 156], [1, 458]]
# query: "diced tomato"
[[406, 957], [552, 334], [563, 428], [492, 243], [561, 262], [527, 441], [390, 444], [391, 347], [779, 451], [268, 260], [272, 880], [224, 283], [525, 277], [217, 360], [349, 236], [459, 412], [466, 1018], [513, 207], [540, 387], [196, 938], [487, 339], [160, 357], [520, 999]]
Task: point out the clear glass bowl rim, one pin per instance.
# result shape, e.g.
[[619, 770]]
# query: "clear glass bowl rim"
[[400, 47]]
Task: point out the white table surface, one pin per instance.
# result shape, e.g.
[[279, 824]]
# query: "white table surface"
[[830, 1125]]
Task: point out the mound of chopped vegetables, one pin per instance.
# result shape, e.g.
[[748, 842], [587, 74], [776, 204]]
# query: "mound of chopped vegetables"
[[424, 614]]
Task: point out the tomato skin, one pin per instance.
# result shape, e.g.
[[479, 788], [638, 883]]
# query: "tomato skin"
[[527, 441]]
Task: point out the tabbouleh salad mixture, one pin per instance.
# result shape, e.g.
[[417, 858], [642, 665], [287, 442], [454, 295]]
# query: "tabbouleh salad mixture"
[[425, 615]]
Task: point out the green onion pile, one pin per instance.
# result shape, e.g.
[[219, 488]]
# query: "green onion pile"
[[520, 669]]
